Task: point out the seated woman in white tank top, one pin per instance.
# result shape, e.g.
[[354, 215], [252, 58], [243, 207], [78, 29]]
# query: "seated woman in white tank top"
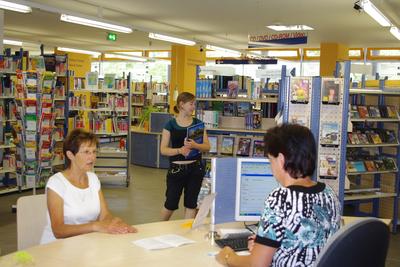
[[75, 202]]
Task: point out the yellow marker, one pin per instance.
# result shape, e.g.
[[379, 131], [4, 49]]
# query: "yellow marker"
[[187, 224]]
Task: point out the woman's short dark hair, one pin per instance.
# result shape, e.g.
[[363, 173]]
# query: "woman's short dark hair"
[[183, 97], [297, 145], [74, 140]]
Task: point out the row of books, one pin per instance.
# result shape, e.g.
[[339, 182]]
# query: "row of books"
[[235, 145], [363, 112], [372, 136], [236, 109], [107, 124], [372, 165], [209, 117]]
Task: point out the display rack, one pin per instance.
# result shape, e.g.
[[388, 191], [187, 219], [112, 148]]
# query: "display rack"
[[373, 152], [103, 106]]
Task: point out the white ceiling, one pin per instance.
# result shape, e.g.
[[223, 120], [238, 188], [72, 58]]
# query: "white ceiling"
[[224, 23]]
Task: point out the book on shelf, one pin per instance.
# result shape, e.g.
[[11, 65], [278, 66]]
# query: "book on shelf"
[[227, 145], [37, 63], [370, 166], [383, 111], [363, 138], [374, 112], [328, 167], [258, 148], [329, 134], [244, 145], [354, 112], [376, 139], [379, 165], [243, 108], [195, 133], [300, 90], [92, 79], [359, 166], [363, 112], [109, 81], [392, 112], [213, 140], [390, 164], [298, 119], [233, 89], [330, 92], [229, 109]]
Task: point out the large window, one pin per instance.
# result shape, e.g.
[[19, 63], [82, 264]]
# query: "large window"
[[156, 71]]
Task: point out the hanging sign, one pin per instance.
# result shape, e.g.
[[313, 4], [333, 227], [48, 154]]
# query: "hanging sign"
[[283, 38]]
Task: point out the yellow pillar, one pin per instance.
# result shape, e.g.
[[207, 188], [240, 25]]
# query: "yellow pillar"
[[184, 62], [330, 54]]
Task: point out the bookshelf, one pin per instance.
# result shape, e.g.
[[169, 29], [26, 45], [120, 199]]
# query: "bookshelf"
[[7, 147], [373, 151], [103, 106]]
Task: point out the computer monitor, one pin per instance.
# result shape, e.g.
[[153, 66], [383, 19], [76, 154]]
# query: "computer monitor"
[[254, 181]]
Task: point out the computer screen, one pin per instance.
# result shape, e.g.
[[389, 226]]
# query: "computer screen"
[[254, 181]]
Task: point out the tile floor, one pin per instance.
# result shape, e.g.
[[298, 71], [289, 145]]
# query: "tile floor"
[[139, 203]]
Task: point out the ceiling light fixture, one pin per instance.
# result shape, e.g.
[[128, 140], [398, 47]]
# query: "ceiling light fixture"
[[15, 7], [171, 39], [97, 23], [125, 57], [79, 51], [12, 42], [224, 50], [290, 28], [375, 13], [395, 32]]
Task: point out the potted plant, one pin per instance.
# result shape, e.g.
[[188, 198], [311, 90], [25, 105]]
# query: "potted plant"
[[145, 117]]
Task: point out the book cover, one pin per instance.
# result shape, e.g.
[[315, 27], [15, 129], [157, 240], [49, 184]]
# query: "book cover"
[[243, 108], [300, 120], [227, 145], [392, 112], [109, 81], [329, 134], [233, 89], [383, 111], [328, 167], [92, 80], [256, 120], [379, 165], [300, 90], [37, 63], [389, 164], [374, 112], [363, 138], [213, 140], [389, 136], [350, 167], [330, 92], [354, 112], [363, 112], [370, 165], [258, 148], [195, 133], [244, 147], [359, 166], [229, 109], [376, 139]]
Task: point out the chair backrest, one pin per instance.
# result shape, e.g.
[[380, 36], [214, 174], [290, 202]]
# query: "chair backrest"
[[362, 243], [31, 220]]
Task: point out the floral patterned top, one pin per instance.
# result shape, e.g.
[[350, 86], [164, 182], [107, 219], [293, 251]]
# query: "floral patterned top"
[[298, 221]]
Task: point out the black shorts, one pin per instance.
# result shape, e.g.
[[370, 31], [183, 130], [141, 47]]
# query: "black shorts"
[[186, 178]]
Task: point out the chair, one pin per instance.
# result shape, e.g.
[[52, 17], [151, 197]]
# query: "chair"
[[363, 243], [31, 220]]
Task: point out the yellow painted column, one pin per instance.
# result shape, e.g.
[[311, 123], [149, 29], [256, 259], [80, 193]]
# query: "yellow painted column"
[[330, 54], [184, 62]]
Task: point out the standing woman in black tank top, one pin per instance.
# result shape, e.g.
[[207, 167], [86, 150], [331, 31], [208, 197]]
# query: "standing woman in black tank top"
[[184, 175]]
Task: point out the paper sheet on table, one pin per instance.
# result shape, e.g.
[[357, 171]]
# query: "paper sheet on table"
[[162, 242]]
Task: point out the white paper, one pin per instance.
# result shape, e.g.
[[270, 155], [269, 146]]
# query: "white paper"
[[162, 242], [203, 210]]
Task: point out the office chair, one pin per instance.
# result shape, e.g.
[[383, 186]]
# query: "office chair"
[[363, 243], [31, 220]]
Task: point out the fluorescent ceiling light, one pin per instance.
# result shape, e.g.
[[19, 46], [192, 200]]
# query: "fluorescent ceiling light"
[[396, 32], [170, 39], [125, 57], [375, 13], [290, 28], [12, 42], [73, 50], [222, 49], [15, 7], [95, 23]]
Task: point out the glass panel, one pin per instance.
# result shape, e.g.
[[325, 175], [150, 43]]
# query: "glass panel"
[[313, 53], [355, 53], [163, 54]]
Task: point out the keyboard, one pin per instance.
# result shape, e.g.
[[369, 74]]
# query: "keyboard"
[[237, 244]]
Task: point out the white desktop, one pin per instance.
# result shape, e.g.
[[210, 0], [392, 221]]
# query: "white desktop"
[[254, 181]]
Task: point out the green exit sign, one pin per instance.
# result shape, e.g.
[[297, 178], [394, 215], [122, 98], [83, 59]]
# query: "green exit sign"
[[111, 36]]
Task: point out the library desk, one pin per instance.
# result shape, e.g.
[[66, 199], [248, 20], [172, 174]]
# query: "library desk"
[[98, 249]]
